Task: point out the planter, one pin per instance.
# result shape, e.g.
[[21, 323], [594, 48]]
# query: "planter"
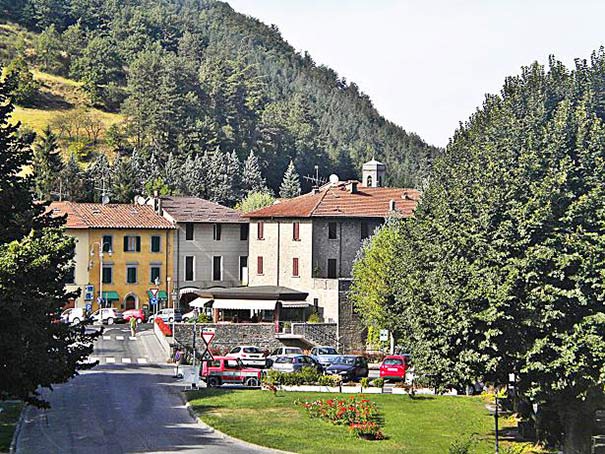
[[351, 389], [371, 390]]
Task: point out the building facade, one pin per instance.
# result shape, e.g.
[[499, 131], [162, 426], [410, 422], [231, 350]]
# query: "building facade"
[[123, 254]]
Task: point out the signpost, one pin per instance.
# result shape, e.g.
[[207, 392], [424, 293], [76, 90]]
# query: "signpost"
[[154, 297], [89, 291]]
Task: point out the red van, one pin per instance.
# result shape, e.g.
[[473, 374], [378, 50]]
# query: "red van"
[[394, 367], [224, 370]]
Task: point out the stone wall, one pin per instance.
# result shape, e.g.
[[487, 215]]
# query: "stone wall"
[[351, 331], [228, 336], [317, 333]]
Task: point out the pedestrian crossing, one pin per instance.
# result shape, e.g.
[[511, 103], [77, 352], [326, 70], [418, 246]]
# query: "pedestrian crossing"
[[120, 338], [114, 360]]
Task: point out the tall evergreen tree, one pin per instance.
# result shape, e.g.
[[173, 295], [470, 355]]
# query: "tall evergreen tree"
[[124, 181], [290, 186], [252, 179], [48, 165], [98, 176], [73, 181]]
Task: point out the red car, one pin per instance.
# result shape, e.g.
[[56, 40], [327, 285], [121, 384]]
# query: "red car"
[[394, 367], [134, 313], [223, 370]]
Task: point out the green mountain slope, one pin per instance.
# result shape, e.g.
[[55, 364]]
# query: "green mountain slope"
[[190, 77]]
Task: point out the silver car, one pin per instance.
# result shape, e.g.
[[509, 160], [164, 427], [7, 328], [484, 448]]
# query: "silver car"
[[295, 363]]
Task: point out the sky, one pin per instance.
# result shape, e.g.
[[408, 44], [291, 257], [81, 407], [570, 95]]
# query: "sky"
[[427, 65]]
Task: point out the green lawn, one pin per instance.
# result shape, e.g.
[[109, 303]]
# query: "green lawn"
[[425, 425], [9, 415]]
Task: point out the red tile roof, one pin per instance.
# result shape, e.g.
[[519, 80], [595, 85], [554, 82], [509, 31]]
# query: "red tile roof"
[[338, 201], [195, 209], [110, 216]]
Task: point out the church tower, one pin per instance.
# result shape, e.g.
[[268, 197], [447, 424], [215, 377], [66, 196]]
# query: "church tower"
[[373, 173]]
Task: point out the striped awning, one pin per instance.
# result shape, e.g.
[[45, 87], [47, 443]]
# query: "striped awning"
[[266, 305], [294, 304]]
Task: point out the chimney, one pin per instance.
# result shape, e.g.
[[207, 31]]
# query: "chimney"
[[391, 205], [352, 187]]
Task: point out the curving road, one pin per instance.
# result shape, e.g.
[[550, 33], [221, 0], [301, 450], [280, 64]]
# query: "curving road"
[[128, 404]]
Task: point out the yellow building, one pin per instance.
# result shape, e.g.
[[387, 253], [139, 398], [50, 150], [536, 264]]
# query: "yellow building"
[[124, 251]]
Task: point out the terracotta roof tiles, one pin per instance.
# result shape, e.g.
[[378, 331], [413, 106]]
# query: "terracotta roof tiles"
[[195, 209]]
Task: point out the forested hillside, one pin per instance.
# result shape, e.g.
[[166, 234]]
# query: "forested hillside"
[[180, 96]]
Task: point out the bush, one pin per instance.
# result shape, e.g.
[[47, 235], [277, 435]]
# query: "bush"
[[378, 382], [461, 446], [307, 376], [365, 382], [330, 380], [314, 318]]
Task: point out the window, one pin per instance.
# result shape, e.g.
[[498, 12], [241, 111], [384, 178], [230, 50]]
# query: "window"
[[331, 268], [132, 244], [260, 265], [217, 232], [260, 230], [107, 274], [332, 230], [295, 267], [243, 267], [369, 182], [365, 230], [189, 260], [131, 274], [107, 243], [244, 230], [217, 268], [155, 274], [189, 231], [296, 231], [155, 243]]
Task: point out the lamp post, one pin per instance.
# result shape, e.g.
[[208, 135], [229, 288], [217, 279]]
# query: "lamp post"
[[100, 246]]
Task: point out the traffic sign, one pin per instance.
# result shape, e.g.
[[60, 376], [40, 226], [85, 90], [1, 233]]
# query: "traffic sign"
[[154, 292], [88, 307], [208, 335], [207, 356], [153, 301], [384, 335]]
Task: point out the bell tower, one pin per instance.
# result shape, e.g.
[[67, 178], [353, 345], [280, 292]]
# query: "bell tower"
[[373, 174]]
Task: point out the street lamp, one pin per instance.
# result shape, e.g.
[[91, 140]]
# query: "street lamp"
[[100, 246]]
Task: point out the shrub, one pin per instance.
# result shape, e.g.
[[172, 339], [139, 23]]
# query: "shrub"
[[329, 380], [378, 382], [461, 446], [365, 382], [314, 318]]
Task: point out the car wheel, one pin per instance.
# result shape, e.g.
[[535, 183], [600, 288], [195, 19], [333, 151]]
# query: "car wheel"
[[213, 382], [76, 321], [252, 382], [139, 321], [110, 321]]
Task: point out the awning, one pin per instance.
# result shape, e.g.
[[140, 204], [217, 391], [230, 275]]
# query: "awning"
[[186, 290], [267, 305], [111, 296], [162, 295], [199, 302], [294, 304]]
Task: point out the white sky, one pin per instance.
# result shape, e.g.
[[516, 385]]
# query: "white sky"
[[426, 65]]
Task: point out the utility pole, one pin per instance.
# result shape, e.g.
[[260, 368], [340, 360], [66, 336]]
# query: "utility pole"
[[496, 422]]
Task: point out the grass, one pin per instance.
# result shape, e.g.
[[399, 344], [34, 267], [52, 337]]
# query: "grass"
[[9, 415], [425, 425]]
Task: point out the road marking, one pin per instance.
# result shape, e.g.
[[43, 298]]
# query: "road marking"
[[106, 338], [110, 360], [132, 338], [126, 360], [120, 338], [92, 359], [142, 360]]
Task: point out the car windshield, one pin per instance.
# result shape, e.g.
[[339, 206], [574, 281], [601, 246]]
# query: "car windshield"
[[251, 350], [327, 351], [284, 360], [346, 360], [292, 351], [392, 362]]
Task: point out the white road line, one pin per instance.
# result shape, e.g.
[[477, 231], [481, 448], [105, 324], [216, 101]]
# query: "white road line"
[[120, 338], [106, 338], [142, 360], [110, 360], [92, 359], [132, 338], [126, 360]]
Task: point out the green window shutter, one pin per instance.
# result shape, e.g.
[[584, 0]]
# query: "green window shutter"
[[125, 244], [138, 244]]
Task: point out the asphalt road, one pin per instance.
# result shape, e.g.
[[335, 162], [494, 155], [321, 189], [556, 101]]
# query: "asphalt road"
[[128, 403]]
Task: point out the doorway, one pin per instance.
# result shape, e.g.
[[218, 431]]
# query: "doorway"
[[130, 302]]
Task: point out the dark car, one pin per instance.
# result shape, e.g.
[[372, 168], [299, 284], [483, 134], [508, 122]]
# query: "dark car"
[[295, 363], [349, 367]]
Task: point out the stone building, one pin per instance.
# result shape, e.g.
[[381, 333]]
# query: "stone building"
[[309, 243]]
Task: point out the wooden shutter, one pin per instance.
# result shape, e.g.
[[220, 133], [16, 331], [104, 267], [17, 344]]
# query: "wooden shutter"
[[138, 243], [295, 267], [125, 243], [296, 231], [259, 265]]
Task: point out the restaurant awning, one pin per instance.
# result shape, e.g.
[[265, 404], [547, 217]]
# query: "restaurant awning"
[[267, 305], [187, 290], [294, 304], [199, 302], [162, 295], [111, 296]]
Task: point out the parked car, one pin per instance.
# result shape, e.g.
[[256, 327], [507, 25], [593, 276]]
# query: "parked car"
[[250, 355], [223, 370], [74, 316], [139, 314], [169, 315], [295, 363], [190, 315], [107, 316], [283, 351], [394, 367], [324, 354], [349, 367]]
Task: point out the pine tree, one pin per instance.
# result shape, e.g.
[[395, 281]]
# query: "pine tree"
[[290, 186], [98, 175], [172, 174], [252, 179], [48, 165], [73, 182], [224, 170], [35, 257], [124, 182]]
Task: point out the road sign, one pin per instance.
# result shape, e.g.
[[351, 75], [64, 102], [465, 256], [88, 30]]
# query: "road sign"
[[384, 335], [207, 356], [89, 293], [153, 301], [154, 292], [88, 307], [208, 335]]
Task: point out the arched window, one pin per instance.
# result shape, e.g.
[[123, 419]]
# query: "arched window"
[[369, 181]]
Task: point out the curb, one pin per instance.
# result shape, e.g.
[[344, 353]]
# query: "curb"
[[13, 446], [228, 437]]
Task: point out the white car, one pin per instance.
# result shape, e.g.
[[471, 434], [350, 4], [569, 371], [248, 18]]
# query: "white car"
[[169, 315], [250, 355], [108, 315], [74, 315], [283, 351]]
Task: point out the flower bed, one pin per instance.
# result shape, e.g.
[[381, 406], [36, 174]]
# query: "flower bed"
[[164, 328], [360, 415]]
